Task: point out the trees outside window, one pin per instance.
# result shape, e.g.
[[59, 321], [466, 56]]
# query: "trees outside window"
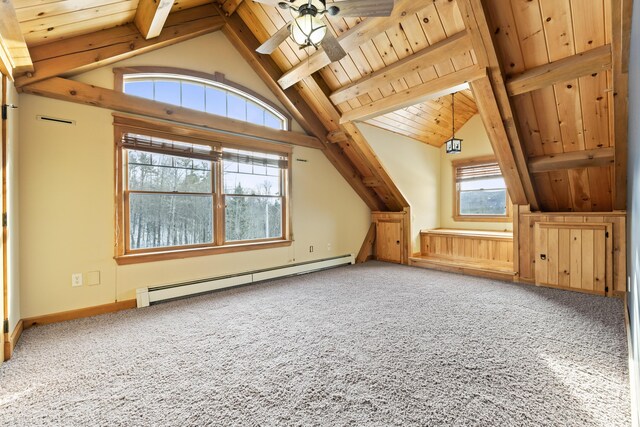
[[183, 191], [196, 194], [480, 192]]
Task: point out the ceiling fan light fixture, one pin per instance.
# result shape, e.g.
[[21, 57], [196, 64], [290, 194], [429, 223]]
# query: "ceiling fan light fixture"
[[308, 30]]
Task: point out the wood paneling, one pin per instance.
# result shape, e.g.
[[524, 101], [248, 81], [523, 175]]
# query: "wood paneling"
[[615, 245], [84, 53], [46, 21], [481, 249], [558, 50], [12, 41], [392, 231], [548, 69], [572, 255]]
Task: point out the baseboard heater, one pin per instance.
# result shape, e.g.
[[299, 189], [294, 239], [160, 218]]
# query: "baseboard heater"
[[156, 294]]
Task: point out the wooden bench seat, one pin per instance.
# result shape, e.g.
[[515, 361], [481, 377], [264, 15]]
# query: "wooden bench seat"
[[476, 252]]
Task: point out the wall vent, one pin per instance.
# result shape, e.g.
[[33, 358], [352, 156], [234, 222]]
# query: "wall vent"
[[156, 294], [56, 120]]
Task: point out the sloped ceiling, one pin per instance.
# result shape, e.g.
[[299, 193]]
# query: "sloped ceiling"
[[431, 121], [567, 122], [44, 21]]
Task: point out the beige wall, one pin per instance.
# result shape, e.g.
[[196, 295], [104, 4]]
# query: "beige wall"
[[415, 169], [475, 144], [424, 175], [67, 198], [13, 217]]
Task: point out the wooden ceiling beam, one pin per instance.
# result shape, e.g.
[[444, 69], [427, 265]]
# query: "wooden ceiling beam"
[[337, 136], [474, 15], [599, 157], [229, 6], [16, 56], [151, 16], [356, 146], [497, 133], [581, 64], [351, 39], [432, 89], [90, 51], [82, 93], [246, 43], [434, 54], [619, 98]]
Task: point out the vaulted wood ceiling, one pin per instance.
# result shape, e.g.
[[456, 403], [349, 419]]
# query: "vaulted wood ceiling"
[[429, 121], [547, 76]]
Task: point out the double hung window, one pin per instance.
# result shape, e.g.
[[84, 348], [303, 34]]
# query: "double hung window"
[[480, 191]]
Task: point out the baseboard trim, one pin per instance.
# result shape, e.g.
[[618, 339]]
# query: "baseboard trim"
[[79, 313], [10, 342]]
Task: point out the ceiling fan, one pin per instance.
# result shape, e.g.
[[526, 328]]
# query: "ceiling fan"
[[306, 27]]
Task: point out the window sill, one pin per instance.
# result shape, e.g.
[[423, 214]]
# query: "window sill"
[[481, 218], [138, 258]]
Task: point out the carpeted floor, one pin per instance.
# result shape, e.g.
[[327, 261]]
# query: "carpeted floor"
[[369, 345]]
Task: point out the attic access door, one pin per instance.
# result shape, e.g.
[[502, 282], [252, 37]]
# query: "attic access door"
[[391, 236], [573, 255]]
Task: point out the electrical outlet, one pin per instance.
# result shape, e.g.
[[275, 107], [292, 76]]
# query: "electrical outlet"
[[310, 248], [328, 247], [76, 279]]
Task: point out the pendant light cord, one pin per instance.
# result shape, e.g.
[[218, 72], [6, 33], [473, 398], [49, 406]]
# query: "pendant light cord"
[[453, 116]]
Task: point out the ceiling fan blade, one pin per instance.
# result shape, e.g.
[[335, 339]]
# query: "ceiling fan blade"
[[364, 8], [332, 47], [274, 41], [273, 3]]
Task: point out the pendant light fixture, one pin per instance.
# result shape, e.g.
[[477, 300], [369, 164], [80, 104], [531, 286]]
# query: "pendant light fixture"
[[453, 145]]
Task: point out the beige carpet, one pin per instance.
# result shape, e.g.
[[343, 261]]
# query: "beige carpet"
[[368, 345]]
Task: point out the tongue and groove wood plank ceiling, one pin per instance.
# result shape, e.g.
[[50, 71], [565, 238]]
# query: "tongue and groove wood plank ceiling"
[[556, 112]]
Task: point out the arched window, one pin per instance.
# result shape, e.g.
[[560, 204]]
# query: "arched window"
[[198, 91], [184, 190]]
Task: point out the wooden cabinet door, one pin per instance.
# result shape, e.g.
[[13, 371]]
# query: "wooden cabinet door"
[[573, 255], [389, 241]]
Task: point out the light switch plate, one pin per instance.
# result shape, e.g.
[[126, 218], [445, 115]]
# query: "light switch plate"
[[93, 278]]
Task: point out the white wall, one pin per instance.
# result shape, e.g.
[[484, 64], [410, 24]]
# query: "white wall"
[[67, 197], [475, 144], [415, 169]]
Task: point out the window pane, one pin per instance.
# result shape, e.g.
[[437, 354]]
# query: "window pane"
[[162, 172], [193, 96], [237, 107], [249, 218], [216, 101], [160, 220], [272, 121], [482, 184], [141, 89], [255, 114], [168, 91], [487, 202], [244, 183]]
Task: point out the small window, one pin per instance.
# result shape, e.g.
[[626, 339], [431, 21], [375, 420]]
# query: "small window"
[[480, 191], [222, 98]]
